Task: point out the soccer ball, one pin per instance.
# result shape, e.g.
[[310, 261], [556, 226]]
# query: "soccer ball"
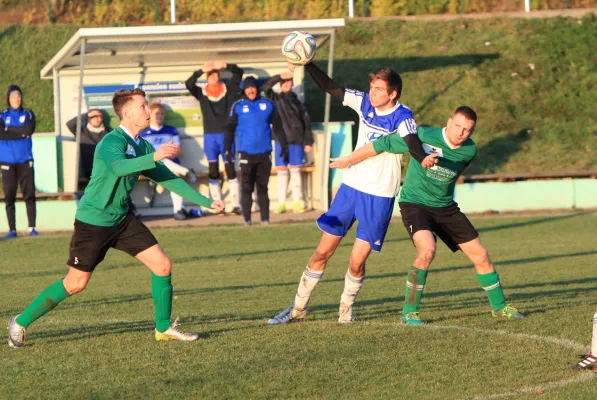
[[298, 47]]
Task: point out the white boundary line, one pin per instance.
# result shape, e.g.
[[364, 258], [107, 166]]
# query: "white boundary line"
[[579, 377]]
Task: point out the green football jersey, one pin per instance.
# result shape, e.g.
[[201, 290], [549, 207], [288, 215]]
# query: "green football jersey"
[[433, 187], [117, 163]]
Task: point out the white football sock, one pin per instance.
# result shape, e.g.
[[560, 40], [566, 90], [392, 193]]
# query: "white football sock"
[[214, 189], [177, 169], [234, 190], [295, 184], [306, 285], [352, 286], [594, 338], [282, 186], [176, 202]]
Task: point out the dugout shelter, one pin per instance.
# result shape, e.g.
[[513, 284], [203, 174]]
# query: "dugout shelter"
[[158, 59]]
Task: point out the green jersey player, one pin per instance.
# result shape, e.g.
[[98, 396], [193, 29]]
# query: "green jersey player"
[[103, 220], [428, 208]]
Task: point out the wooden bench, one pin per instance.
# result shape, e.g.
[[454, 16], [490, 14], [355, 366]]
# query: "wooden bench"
[[202, 175]]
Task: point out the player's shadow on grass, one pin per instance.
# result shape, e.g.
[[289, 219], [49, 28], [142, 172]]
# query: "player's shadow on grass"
[[94, 331], [239, 256], [533, 221], [514, 295]]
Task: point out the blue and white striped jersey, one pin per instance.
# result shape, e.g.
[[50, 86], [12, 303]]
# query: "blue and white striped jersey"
[[158, 137], [379, 175]]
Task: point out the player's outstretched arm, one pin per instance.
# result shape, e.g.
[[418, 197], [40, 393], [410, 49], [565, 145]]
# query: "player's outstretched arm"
[[112, 152], [356, 156], [326, 83], [161, 175]]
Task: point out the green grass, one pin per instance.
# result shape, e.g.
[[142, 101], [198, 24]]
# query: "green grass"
[[533, 121], [228, 281], [539, 119]]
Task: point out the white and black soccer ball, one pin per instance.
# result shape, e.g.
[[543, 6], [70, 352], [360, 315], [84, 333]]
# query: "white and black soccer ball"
[[299, 47]]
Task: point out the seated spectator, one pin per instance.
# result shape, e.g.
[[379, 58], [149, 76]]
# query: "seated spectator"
[[296, 125], [158, 134], [92, 131]]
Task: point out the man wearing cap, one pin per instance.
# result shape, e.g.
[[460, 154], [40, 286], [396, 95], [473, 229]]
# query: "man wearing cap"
[[92, 131], [215, 100], [296, 124], [17, 124], [250, 119]]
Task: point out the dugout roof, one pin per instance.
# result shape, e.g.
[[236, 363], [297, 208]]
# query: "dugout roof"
[[174, 45]]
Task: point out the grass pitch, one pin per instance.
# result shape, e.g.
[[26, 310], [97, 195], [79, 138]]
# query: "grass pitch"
[[229, 281]]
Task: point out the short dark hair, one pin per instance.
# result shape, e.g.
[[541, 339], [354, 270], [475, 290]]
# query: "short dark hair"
[[390, 77], [121, 97], [468, 112]]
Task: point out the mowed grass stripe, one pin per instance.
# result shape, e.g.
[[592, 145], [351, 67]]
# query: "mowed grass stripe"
[[228, 281]]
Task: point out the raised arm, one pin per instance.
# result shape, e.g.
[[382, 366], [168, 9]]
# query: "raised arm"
[[72, 123], [326, 83], [267, 87], [191, 84]]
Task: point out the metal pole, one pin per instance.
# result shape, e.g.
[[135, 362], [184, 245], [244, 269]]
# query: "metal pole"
[[173, 11], [56, 102], [79, 109], [351, 8], [527, 5], [327, 140]]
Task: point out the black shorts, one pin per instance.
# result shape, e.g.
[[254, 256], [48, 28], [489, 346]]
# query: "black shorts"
[[90, 243], [449, 223]]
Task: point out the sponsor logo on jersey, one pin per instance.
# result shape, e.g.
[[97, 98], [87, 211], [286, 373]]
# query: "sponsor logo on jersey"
[[429, 149], [370, 115], [374, 135], [262, 106], [130, 151], [8, 120], [245, 109], [22, 118]]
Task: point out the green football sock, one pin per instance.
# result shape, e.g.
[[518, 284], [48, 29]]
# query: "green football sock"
[[415, 283], [44, 302], [161, 292], [491, 284]]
